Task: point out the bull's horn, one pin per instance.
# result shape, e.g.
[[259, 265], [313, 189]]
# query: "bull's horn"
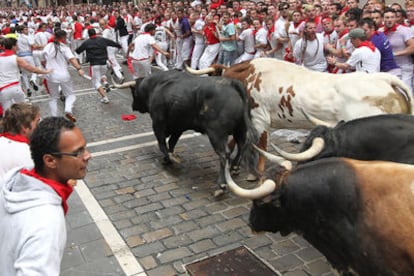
[[275, 159], [125, 84], [263, 190], [199, 72], [317, 146], [317, 121]]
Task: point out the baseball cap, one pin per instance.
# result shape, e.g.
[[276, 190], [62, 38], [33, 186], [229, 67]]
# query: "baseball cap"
[[357, 33]]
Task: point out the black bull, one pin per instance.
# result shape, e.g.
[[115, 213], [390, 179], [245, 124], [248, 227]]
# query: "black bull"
[[382, 137], [359, 214], [215, 106]]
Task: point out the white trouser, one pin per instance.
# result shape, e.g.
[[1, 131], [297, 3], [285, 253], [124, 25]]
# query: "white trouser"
[[54, 92], [179, 53], [124, 43], [244, 57], [10, 95], [98, 74], [75, 44], [142, 68], [210, 53], [407, 74], [113, 62], [160, 58], [197, 52], [26, 74]]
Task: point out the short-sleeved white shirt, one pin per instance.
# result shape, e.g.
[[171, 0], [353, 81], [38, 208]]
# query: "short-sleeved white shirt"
[[248, 40], [142, 46], [58, 62], [363, 59]]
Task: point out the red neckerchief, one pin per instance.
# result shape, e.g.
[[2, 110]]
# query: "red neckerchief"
[[7, 53], [368, 44], [296, 25], [411, 23], [63, 190], [270, 32], [392, 29], [93, 36], [15, 137], [343, 33], [327, 33], [255, 31]]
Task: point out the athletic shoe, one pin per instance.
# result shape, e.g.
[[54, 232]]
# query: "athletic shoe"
[[34, 86], [70, 117], [29, 93], [105, 100]]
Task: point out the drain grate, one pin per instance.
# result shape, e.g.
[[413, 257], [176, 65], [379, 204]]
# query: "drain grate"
[[236, 262]]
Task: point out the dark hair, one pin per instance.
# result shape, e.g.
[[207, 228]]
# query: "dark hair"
[[150, 27], [9, 43], [46, 137], [60, 34], [388, 9], [369, 21], [19, 115], [91, 32]]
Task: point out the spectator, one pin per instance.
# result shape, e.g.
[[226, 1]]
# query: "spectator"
[[309, 50], [402, 43], [19, 122], [365, 58], [33, 202], [381, 42], [227, 38]]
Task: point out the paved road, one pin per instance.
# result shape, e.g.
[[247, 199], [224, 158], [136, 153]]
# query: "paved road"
[[134, 216]]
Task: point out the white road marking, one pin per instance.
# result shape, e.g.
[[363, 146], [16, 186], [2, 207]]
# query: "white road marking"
[[121, 251], [123, 138], [142, 145]]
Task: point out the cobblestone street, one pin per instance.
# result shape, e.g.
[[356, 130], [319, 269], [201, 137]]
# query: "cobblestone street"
[[162, 218]]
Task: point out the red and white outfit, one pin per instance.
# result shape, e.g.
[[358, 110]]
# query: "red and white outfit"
[[10, 89], [365, 58], [140, 58], [260, 37], [57, 55], [78, 40], [248, 45], [199, 43], [17, 150], [109, 33], [213, 46]]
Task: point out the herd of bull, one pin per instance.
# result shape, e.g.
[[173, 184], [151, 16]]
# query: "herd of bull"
[[351, 194]]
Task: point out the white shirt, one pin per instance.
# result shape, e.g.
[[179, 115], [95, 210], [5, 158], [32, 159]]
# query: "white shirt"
[[142, 46], [248, 40], [311, 53], [18, 155], [58, 62], [198, 26], [365, 60]]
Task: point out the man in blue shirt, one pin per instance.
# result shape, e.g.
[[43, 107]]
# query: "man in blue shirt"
[[382, 43], [228, 41]]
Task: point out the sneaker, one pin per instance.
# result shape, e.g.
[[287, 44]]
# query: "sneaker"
[[34, 86], [29, 93], [105, 100], [70, 117]]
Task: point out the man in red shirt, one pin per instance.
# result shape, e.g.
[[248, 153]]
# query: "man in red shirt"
[[213, 43]]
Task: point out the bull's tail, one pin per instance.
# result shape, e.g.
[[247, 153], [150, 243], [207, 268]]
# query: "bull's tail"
[[403, 90], [249, 154]]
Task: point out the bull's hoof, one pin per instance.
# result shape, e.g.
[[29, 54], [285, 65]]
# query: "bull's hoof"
[[235, 170], [251, 177], [174, 157], [218, 193]]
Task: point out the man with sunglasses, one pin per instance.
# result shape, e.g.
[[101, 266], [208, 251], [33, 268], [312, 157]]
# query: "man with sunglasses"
[[33, 202]]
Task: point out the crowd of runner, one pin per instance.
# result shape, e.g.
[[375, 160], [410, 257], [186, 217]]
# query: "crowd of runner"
[[335, 36]]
